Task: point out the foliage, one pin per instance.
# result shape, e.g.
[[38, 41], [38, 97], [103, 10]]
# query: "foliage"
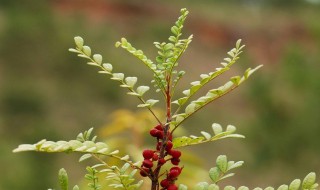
[[166, 150]]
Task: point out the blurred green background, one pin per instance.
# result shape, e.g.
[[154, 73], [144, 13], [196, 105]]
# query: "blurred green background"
[[47, 92]]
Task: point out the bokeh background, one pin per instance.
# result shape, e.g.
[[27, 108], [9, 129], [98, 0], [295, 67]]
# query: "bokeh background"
[[47, 92]]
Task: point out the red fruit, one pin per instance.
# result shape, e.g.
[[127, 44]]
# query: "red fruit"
[[153, 132], [176, 168], [159, 127], [162, 161], [147, 163], [169, 146], [170, 137], [144, 172], [173, 174], [159, 134], [175, 161], [175, 153], [164, 183], [172, 187], [155, 157], [147, 154]]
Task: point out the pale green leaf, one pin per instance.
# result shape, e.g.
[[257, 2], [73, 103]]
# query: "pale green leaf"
[[126, 157], [201, 186], [222, 163], [283, 187], [243, 188], [133, 93], [86, 50], [117, 76], [231, 128], [97, 58], [114, 152], [229, 187], [206, 135], [63, 179], [214, 174], [190, 108], [79, 41], [217, 129], [131, 81], [213, 187], [309, 180], [85, 157], [235, 165], [182, 187], [74, 50], [295, 184], [151, 102], [142, 89], [269, 188]]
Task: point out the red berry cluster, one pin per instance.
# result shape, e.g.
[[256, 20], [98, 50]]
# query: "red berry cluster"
[[172, 176], [164, 145]]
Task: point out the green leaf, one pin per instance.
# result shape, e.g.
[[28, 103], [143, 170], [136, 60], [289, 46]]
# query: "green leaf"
[[97, 58], [107, 67], [213, 187], [151, 102], [202, 186], [243, 188], [269, 188], [182, 187], [206, 135], [142, 89], [222, 163], [131, 81], [79, 42], [63, 179], [190, 108], [229, 187], [235, 165], [86, 50], [175, 30], [283, 187], [85, 157], [214, 174], [309, 180], [295, 184], [217, 129], [193, 140], [126, 157], [117, 76]]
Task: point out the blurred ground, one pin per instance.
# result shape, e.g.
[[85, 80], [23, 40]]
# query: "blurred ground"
[[47, 92]]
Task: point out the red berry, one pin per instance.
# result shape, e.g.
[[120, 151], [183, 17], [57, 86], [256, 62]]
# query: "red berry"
[[175, 153], [172, 187], [162, 161], [176, 168], [159, 134], [159, 127], [169, 146], [153, 132], [170, 136], [144, 172], [173, 174], [147, 163], [164, 183], [155, 157], [148, 154], [175, 161]]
